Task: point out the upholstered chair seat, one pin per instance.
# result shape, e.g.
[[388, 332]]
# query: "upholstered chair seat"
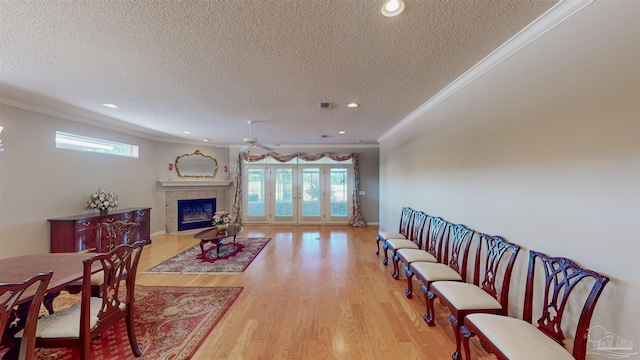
[[518, 339], [465, 296], [413, 255], [430, 272], [66, 322], [395, 244], [384, 235]]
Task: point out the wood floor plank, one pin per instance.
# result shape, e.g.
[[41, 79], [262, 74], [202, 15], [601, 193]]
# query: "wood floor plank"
[[314, 292]]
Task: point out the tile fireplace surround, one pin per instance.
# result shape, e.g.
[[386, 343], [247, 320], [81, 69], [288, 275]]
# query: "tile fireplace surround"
[[171, 197]]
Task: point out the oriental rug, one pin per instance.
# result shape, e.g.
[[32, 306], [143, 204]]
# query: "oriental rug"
[[171, 323], [232, 259]]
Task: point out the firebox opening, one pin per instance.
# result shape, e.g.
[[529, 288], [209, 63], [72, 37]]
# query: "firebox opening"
[[195, 213]]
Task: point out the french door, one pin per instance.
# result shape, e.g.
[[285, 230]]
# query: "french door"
[[297, 194]]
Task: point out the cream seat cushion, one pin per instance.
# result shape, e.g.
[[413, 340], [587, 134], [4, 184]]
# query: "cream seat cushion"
[[518, 339], [465, 296], [435, 271], [413, 255], [66, 322], [390, 235], [401, 244]]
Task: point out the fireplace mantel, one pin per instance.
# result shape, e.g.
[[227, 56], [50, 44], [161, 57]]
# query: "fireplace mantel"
[[170, 183]]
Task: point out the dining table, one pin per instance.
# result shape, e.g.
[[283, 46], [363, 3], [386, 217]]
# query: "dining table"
[[66, 267]]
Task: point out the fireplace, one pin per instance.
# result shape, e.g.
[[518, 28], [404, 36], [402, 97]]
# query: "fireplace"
[[195, 213], [173, 194]]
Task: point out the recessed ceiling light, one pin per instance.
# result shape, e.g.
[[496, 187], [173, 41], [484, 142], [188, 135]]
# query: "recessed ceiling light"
[[110, 106], [342, 132], [187, 132], [392, 8], [353, 105], [205, 140]]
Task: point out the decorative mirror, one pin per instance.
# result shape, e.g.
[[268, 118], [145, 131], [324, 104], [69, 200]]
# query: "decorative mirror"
[[196, 165]]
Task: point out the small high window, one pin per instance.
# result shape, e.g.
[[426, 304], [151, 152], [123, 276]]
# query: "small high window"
[[84, 143]]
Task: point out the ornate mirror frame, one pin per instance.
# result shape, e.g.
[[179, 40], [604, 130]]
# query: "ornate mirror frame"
[[196, 164]]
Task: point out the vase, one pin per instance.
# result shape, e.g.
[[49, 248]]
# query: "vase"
[[222, 227], [104, 211]]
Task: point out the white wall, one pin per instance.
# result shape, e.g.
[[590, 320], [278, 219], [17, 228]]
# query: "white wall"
[[551, 162], [39, 182]]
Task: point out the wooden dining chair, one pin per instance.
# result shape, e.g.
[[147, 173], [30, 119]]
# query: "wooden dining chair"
[[403, 230], [453, 267], [565, 300], [108, 236], [77, 325], [489, 292], [429, 252], [413, 241], [12, 310]]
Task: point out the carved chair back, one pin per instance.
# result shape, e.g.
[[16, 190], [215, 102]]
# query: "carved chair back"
[[456, 248], [491, 255], [418, 225], [116, 233], [561, 277], [435, 236], [118, 267], [405, 221], [11, 295]]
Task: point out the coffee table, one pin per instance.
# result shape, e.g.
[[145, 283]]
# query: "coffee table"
[[215, 236]]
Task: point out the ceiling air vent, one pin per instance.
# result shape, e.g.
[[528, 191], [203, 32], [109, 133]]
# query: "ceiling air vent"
[[324, 105]]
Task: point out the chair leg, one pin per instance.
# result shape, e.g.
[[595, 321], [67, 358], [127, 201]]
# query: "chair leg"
[[378, 245], [428, 298], [396, 272], [131, 332], [466, 335], [85, 349], [427, 315], [385, 247], [455, 323], [409, 291]]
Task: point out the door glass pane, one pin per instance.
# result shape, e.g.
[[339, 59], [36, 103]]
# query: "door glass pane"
[[256, 192], [284, 192], [339, 193], [311, 192]]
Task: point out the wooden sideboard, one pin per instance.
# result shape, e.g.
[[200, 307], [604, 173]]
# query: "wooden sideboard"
[[78, 232]]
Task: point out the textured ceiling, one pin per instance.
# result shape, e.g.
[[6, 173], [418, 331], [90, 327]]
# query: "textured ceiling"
[[209, 66]]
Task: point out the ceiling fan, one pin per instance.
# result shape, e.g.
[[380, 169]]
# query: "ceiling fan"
[[251, 142]]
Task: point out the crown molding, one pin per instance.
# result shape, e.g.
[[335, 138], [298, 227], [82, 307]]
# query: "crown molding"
[[547, 21]]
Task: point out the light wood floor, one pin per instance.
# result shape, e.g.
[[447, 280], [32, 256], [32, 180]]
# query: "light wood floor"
[[314, 292]]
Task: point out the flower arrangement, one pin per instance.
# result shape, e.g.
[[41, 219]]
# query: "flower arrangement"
[[221, 218], [102, 200]]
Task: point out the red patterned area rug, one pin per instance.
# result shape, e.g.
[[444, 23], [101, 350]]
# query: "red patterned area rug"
[[171, 323], [232, 259]]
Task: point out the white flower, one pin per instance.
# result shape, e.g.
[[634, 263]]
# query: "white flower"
[[102, 199]]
